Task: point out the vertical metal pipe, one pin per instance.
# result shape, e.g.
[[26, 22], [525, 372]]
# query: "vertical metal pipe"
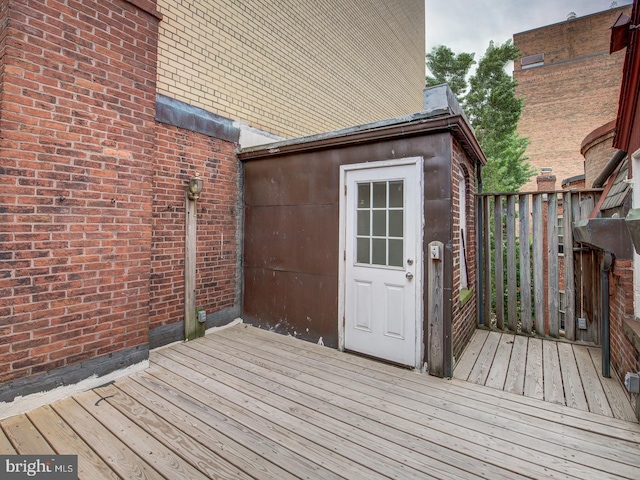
[[605, 266]]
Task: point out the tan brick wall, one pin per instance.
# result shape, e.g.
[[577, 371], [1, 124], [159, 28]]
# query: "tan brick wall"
[[294, 68], [575, 91]]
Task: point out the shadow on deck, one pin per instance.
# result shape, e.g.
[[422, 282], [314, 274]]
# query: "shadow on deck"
[[246, 403], [554, 371]]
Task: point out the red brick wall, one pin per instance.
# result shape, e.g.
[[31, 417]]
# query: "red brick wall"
[[77, 147], [575, 91], [180, 153], [464, 317], [624, 356]]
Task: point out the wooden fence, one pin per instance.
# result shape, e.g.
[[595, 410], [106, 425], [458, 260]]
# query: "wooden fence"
[[533, 277]]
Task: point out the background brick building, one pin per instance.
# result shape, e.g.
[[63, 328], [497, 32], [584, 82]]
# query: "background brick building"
[[107, 108], [570, 84]]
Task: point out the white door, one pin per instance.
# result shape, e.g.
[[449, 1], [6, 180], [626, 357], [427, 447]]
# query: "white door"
[[382, 210]]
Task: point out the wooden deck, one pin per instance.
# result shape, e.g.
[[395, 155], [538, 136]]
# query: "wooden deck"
[[558, 372], [245, 403]]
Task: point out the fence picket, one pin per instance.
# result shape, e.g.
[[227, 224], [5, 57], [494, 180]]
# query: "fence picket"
[[512, 285], [525, 264], [499, 272]]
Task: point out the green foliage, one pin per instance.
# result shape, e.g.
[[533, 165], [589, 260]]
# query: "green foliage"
[[447, 67], [492, 108]]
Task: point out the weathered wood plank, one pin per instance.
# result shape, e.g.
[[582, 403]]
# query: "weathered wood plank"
[[170, 436], [66, 442], [569, 280], [164, 459], [470, 355], [514, 382], [552, 258], [525, 264], [412, 402], [516, 409], [512, 282], [573, 390], [533, 379], [26, 439], [118, 456], [538, 262], [616, 397], [624, 435], [284, 382], [295, 456], [221, 445], [593, 390], [5, 445], [498, 373], [481, 369], [435, 313], [338, 455], [552, 380], [498, 261]]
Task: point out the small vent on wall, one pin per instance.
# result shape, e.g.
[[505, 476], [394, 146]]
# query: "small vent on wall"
[[571, 16], [531, 61]]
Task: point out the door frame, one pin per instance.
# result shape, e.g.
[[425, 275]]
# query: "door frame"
[[418, 163]]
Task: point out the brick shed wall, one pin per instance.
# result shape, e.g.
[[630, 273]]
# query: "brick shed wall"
[[575, 91], [77, 147], [464, 317], [624, 356], [294, 68], [180, 153]]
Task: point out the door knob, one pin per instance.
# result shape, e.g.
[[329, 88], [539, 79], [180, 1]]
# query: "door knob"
[[409, 275]]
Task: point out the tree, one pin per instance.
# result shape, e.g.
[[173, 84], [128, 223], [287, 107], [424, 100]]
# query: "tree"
[[492, 108], [447, 67]]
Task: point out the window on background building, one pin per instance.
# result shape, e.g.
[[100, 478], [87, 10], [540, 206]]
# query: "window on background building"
[[560, 236]]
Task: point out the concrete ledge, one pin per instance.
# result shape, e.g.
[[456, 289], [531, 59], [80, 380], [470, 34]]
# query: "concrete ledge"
[[71, 374], [174, 332]]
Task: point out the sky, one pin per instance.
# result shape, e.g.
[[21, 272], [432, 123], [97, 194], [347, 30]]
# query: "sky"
[[469, 25]]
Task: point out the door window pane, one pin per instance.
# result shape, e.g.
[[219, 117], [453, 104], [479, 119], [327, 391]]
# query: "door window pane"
[[380, 195], [364, 223], [363, 254], [396, 194], [364, 195], [395, 253], [379, 251], [380, 223], [396, 225]]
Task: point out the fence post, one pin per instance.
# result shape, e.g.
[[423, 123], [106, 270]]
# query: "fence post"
[[435, 313]]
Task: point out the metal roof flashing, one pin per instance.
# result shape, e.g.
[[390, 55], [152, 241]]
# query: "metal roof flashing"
[[442, 113]]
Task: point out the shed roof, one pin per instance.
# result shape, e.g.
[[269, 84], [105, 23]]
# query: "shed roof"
[[422, 123]]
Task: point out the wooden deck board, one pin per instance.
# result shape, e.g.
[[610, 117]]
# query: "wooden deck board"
[[558, 372], [498, 373], [533, 448], [514, 381], [616, 396], [65, 442], [470, 355], [246, 403], [533, 378], [553, 390], [573, 389], [481, 369], [593, 390]]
